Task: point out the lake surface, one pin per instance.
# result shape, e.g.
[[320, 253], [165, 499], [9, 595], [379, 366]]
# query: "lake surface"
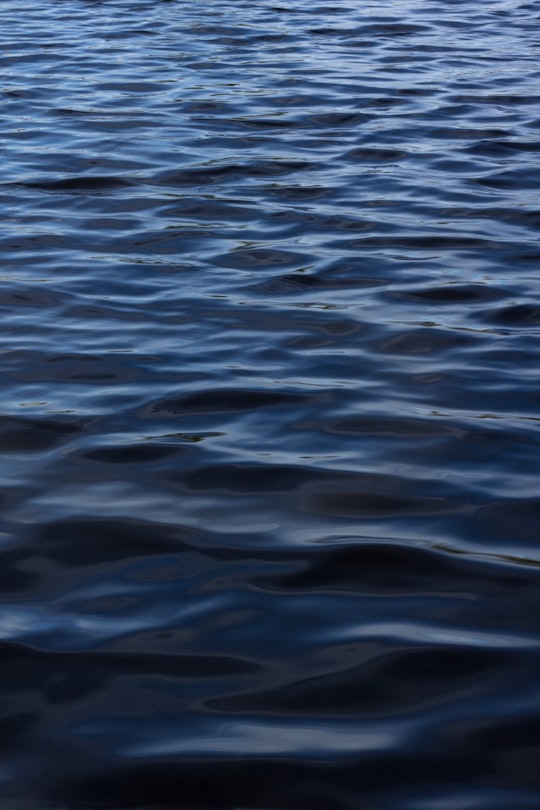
[[270, 529]]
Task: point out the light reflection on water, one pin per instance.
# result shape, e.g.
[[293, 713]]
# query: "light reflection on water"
[[270, 320]]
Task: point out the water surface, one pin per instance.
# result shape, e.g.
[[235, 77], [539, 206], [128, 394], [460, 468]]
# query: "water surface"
[[269, 420]]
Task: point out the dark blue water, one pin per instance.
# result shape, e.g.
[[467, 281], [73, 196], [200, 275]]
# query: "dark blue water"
[[270, 533]]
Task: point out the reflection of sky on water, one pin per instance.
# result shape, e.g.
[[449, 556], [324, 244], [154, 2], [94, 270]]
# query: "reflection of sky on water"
[[184, 735], [270, 738], [75, 630]]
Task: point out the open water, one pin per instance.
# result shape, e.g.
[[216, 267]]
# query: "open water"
[[270, 532]]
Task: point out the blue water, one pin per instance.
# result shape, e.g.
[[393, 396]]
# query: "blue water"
[[270, 529]]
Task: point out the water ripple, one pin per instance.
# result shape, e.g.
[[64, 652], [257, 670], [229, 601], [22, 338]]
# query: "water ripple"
[[270, 324]]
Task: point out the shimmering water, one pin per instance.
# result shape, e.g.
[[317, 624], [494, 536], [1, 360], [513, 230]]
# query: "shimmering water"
[[270, 526]]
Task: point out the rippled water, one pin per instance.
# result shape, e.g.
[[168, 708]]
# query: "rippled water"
[[269, 420]]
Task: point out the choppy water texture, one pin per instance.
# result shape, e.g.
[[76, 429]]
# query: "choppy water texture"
[[269, 417]]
